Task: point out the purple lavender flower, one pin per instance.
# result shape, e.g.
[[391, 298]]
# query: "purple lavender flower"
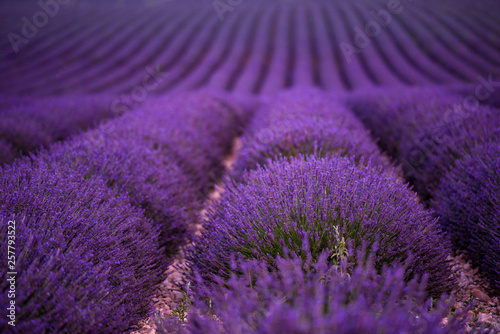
[[86, 261], [30, 124], [306, 136], [427, 131], [435, 146], [289, 105], [304, 123], [150, 178], [315, 296], [321, 200], [468, 202]]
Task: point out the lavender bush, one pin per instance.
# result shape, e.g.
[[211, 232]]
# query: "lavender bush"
[[427, 131], [28, 126], [323, 201], [199, 128], [393, 118], [148, 176], [86, 261], [289, 105], [147, 153], [468, 202], [434, 147], [306, 136], [316, 296], [304, 122]]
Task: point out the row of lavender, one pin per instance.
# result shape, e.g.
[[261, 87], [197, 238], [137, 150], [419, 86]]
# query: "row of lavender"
[[317, 233], [449, 148], [254, 47], [27, 125], [97, 218]]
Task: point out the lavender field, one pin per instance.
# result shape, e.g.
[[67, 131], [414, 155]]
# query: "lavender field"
[[238, 166]]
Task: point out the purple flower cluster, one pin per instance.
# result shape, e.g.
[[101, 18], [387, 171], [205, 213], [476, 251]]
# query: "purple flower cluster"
[[468, 201], [448, 148], [315, 296], [86, 260], [321, 201], [165, 157], [199, 130], [304, 123], [395, 117], [434, 147], [27, 126], [427, 131]]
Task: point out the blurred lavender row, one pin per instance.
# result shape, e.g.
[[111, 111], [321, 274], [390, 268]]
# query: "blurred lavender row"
[[256, 47]]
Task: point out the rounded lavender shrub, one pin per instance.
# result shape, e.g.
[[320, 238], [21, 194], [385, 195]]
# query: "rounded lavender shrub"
[[147, 153], [317, 297], [393, 118], [304, 103], [148, 176], [468, 202], [304, 122], [306, 136], [435, 146], [323, 201], [197, 129], [30, 124], [86, 261]]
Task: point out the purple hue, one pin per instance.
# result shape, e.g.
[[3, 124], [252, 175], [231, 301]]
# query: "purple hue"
[[468, 201], [315, 296], [296, 200], [7, 152], [165, 157], [427, 131], [304, 123], [434, 147], [199, 129], [28, 126], [87, 261]]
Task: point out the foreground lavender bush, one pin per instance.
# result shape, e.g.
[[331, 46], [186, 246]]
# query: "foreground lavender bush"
[[28, 125], [468, 202], [316, 296], [323, 201], [86, 261]]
